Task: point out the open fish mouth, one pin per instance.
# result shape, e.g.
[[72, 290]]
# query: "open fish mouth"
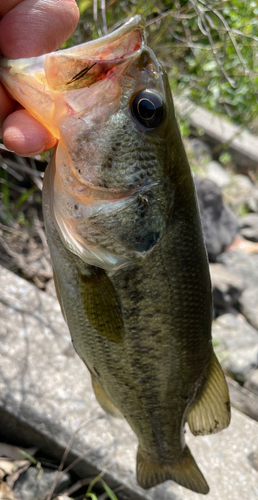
[[32, 80]]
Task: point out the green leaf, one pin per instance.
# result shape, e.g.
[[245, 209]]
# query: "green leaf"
[[110, 493], [92, 496], [29, 457], [83, 5], [23, 198], [94, 481]]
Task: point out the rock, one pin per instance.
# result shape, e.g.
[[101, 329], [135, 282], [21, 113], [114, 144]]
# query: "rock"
[[63, 497], [46, 396], [240, 363], [217, 131], [242, 264], [242, 399], [243, 245], [249, 305], [220, 225], [249, 226], [233, 333], [226, 287], [252, 381], [241, 192], [35, 484], [217, 174], [199, 149]]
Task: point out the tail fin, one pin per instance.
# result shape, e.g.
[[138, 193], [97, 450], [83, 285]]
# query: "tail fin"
[[184, 472]]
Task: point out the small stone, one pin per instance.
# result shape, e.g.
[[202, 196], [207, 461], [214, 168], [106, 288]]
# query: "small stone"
[[243, 183], [35, 485], [233, 333], [252, 381], [242, 264], [199, 149], [249, 226], [226, 287], [63, 497], [249, 305], [241, 362], [216, 173], [242, 191], [219, 224]]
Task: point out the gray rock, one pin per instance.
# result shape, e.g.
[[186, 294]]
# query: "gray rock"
[[240, 363], [243, 265], [35, 485], [252, 381], [249, 305], [226, 287], [242, 191], [242, 145], [249, 226], [233, 333], [220, 225], [217, 174], [199, 149], [46, 396]]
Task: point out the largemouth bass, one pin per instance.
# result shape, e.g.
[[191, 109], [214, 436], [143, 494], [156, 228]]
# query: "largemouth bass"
[[125, 238]]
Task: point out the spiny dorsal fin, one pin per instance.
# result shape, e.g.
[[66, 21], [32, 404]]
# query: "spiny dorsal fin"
[[105, 403], [211, 413], [101, 305], [184, 472]]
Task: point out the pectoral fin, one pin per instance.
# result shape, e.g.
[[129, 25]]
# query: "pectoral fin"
[[104, 401], [184, 472], [101, 305], [211, 413]]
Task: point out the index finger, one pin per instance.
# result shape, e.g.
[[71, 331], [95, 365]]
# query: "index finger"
[[33, 27], [30, 28]]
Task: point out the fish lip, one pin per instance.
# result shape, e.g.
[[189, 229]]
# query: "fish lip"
[[32, 64], [127, 27]]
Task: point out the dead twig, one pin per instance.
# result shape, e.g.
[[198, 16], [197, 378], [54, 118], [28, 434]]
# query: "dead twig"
[[64, 457], [79, 484], [104, 19]]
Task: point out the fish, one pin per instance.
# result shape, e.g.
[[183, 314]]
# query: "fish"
[[125, 238]]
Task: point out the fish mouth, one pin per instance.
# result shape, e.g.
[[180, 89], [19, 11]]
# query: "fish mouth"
[[42, 84]]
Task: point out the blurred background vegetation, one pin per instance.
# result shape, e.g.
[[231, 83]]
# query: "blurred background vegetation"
[[209, 49]]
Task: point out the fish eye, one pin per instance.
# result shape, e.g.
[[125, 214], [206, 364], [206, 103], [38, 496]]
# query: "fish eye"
[[147, 108]]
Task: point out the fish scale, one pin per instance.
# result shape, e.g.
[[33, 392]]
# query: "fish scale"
[[125, 239]]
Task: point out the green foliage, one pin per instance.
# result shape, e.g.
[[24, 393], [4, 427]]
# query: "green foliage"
[[208, 47], [9, 205], [99, 479]]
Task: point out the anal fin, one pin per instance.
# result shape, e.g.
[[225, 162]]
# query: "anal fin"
[[184, 472], [211, 413], [104, 401]]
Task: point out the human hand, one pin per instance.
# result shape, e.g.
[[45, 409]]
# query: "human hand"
[[30, 28]]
